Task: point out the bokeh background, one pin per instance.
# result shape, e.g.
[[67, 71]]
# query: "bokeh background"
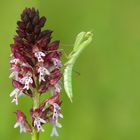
[[106, 104]]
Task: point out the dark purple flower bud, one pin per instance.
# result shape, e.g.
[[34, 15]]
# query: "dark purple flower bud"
[[37, 29], [54, 45], [45, 33], [29, 27], [21, 25], [20, 33], [42, 21], [25, 18], [35, 20]]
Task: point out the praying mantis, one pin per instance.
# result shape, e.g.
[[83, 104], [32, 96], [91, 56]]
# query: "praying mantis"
[[83, 39]]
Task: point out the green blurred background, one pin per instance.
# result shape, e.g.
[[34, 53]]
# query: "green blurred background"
[[106, 102]]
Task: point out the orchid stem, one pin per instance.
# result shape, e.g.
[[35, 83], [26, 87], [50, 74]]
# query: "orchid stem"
[[36, 100], [35, 134]]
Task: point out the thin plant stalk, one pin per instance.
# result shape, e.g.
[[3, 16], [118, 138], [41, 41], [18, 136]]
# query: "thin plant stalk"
[[36, 102]]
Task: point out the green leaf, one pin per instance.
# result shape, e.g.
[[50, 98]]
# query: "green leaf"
[[83, 39]]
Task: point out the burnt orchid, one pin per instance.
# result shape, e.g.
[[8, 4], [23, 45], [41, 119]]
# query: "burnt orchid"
[[35, 65], [36, 70]]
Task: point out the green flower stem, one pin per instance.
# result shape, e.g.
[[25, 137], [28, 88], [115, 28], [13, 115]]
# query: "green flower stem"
[[36, 100], [35, 134]]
